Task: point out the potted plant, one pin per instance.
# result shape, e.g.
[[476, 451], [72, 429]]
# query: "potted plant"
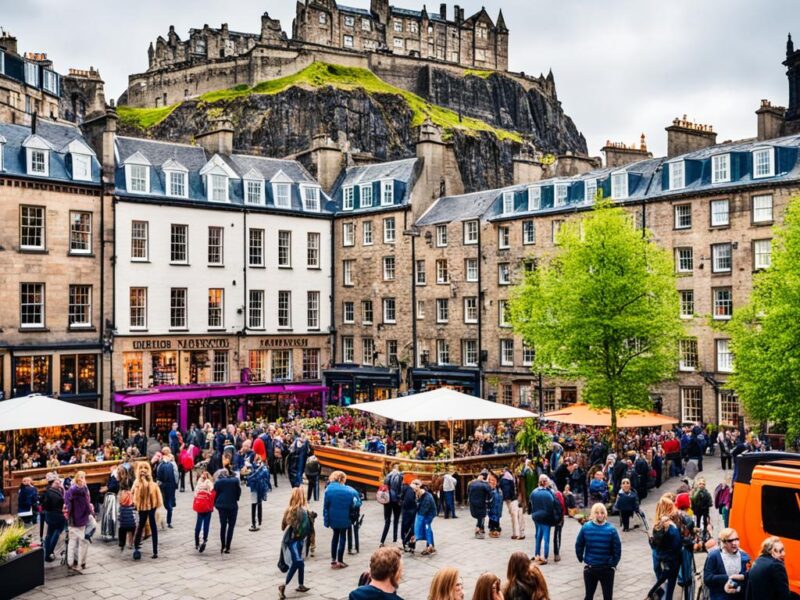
[[21, 563], [531, 440]]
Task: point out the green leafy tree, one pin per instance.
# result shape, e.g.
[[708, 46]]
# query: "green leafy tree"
[[765, 335], [603, 310]]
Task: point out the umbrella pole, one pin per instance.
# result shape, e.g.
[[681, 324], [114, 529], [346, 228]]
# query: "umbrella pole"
[[452, 449]]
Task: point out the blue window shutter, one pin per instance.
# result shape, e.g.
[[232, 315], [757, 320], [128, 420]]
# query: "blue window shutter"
[[548, 197]]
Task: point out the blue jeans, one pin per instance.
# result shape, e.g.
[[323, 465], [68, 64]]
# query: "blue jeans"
[[55, 525], [423, 529], [337, 545], [542, 535], [449, 504], [203, 521], [297, 566]]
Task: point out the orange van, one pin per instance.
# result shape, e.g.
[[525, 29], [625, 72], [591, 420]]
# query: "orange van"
[[766, 501]]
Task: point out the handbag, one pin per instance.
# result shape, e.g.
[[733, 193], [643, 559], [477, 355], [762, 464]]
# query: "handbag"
[[283, 565]]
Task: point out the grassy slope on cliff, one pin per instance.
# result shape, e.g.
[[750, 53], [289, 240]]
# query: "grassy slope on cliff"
[[319, 75]]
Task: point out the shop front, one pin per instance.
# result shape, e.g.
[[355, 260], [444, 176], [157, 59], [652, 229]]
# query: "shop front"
[[70, 374], [351, 384], [218, 404], [460, 379]]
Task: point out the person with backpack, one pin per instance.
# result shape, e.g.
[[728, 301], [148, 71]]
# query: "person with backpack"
[[627, 504], [701, 502], [666, 544], [127, 519], [313, 471], [543, 510], [186, 462], [297, 525], [685, 523], [389, 495], [559, 512], [203, 505], [258, 482], [338, 503], [479, 495]]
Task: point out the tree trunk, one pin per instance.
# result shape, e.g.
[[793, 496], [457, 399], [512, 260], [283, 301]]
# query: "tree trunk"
[[612, 407]]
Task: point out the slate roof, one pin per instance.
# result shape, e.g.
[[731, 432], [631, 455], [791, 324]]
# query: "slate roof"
[[461, 208], [194, 158], [59, 136], [403, 173], [647, 181], [355, 11]]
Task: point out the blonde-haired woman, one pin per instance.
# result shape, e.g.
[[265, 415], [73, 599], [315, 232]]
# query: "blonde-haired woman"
[[666, 543], [147, 499], [78, 510], [599, 548], [297, 525], [446, 585]]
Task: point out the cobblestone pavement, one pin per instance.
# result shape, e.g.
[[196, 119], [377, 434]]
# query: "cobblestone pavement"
[[250, 571]]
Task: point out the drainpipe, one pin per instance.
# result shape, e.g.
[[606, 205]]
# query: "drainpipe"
[[480, 313]]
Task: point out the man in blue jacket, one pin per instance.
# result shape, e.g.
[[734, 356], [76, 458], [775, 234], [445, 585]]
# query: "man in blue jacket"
[[723, 560], [339, 501], [543, 504], [599, 548]]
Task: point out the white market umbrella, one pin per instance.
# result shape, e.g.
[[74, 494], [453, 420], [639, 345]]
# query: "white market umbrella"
[[442, 404], [35, 411]]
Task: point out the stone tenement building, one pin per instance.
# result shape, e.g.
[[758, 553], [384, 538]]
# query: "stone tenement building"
[[393, 42]]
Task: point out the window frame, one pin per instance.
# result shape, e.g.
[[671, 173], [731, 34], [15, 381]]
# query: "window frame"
[[42, 228], [362, 197], [770, 152], [313, 250], [173, 244], [712, 213], [387, 192], [468, 268], [676, 183], [718, 345], [389, 305], [255, 251], [528, 232], [220, 309], [504, 268], [313, 310], [312, 202], [721, 308], [508, 203], [420, 275], [688, 347], [171, 174], [257, 199], [441, 236], [471, 309], [144, 240], [506, 346], [753, 209], [714, 248], [503, 237], [285, 260], [718, 174], [389, 267], [389, 239], [684, 303], [39, 290], [72, 232], [442, 310], [218, 187], [256, 309], [284, 306], [174, 309], [442, 271], [679, 268], [696, 411], [142, 308], [348, 234], [367, 233], [756, 254], [278, 189], [619, 185], [534, 197], [348, 198], [560, 195], [677, 217], [367, 312], [471, 230]]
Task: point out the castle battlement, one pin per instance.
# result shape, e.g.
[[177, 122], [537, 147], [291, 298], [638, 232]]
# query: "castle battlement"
[[216, 58]]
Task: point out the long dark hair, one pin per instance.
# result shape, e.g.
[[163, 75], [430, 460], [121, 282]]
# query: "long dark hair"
[[518, 571]]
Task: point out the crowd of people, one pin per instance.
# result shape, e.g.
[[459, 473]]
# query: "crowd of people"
[[577, 475]]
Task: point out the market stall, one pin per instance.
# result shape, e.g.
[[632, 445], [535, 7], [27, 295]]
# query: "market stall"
[[40, 412], [441, 405]]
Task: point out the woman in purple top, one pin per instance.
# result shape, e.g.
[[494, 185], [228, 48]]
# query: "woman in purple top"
[[78, 509]]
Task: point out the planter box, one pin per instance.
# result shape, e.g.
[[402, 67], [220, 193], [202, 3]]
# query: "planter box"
[[22, 574]]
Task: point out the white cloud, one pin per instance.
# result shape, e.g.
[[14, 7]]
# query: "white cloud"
[[622, 67]]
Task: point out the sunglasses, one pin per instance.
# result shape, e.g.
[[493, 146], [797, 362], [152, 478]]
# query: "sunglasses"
[[731, 540]]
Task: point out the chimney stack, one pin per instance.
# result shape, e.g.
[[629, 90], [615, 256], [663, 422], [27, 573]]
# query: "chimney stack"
[[218, 139], [618, 154], [527, 168], [770, 120], [443, 11], [687, 136], [8, 42], [328, 159]]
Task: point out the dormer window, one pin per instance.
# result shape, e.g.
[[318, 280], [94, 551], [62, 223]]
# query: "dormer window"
[[677, 175], [534, 197], [508, 203], [254, 191], [763, 162], [561, 194], [310, 198], [176, 184], [50, 82], [81, 167], [37, 154], [217, 187], [348, 198], [721, 168], [619, 185], [366, 195], [175, 175], [139, 179], [2, 63], [282, 196], [387, 193], [589, 190], [32, 74]]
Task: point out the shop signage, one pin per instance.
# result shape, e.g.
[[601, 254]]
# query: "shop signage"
[[284, 342], [182, 344]]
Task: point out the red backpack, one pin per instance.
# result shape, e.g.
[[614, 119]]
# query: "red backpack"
[[187, 462], [204, 501]]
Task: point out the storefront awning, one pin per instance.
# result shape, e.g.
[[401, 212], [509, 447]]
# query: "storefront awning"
[[207, 392]]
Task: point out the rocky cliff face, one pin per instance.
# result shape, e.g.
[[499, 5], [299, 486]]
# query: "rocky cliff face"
[[381, 125], [505, 103]]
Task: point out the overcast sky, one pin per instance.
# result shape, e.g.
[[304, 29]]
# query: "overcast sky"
[[622, 67]]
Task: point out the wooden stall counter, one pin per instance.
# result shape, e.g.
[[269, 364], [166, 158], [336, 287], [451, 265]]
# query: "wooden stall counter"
[[368, 470]]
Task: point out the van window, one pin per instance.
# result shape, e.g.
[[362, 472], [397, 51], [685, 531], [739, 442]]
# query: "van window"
[[780, 511]]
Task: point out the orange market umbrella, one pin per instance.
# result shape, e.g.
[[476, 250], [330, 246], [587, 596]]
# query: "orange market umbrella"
[[583, 414]]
